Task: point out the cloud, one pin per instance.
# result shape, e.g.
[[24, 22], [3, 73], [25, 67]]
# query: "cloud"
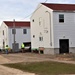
[[61, 1], [19, 9]]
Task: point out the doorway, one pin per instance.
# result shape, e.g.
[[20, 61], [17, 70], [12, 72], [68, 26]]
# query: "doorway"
[[64, 46]]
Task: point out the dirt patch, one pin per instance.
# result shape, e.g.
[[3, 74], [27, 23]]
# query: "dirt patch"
[[66, 59], [3, 60], [32, 57]]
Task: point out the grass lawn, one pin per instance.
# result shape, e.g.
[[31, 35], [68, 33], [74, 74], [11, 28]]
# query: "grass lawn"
[[45, 68]]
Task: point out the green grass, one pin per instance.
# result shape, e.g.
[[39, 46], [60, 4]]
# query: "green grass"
[[45, 68]]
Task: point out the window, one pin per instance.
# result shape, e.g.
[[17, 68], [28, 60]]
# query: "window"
[[3, 41], [24, 31], [40, 38], [3, 32], [61, 18], [40, 21], [13, 31], [33, 36], [33, 20]]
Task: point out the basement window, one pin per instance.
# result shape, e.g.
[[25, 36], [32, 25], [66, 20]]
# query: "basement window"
[[61, 18]]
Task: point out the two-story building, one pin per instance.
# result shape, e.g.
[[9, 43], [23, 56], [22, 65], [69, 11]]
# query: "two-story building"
[[17, 32], [53, 28]]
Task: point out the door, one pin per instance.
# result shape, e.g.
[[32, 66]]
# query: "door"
[[64, 45]]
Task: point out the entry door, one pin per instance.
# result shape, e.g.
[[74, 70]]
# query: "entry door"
[[64, 45]]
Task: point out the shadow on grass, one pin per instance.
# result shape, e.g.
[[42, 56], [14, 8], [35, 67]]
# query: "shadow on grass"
[[45, 68]]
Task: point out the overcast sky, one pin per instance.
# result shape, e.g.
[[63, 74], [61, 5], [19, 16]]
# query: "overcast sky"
[[20, 9]]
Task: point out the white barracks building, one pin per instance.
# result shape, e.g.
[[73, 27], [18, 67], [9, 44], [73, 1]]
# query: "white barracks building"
[[53, 28], [22, 33]]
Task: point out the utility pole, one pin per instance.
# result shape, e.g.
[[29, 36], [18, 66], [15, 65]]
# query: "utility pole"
[[14, 32]]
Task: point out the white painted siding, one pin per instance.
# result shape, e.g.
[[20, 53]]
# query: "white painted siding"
[[0, 39], [64, 30], [41, 27], [46, 24], [19, 36], [5, 36]]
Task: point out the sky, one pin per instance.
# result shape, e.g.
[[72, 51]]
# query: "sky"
[[21, 10]]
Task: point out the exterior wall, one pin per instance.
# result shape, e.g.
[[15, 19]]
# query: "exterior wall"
[[19, 36], [8, 36], [41, 26], [49, 51], [72, 49], [64, 30], [5, 36], [56, 50], [0, 39], [45, 23]]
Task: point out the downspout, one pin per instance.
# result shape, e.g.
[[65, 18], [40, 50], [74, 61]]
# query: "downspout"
[[50, 27]]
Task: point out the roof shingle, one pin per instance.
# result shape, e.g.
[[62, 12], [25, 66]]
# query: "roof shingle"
[[17, 24], [68, 7]]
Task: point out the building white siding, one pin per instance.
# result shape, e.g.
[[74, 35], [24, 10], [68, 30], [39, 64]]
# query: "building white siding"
[[19, 36], [64, 30], [0, 39], [4, 37], [58, 37], [8, 37], [40, 27]]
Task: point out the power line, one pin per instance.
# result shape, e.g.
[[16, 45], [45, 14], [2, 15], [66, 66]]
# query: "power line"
[[33, 12], [30, 13]]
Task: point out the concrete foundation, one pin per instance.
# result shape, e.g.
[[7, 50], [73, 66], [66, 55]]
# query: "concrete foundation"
[[48, 50], [72, 50], [56, 50]]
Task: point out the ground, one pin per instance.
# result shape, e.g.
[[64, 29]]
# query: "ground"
[[11, 71], [30, 57]]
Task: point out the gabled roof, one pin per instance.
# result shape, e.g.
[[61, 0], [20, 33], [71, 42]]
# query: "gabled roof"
[[66, 7], [17, 23]]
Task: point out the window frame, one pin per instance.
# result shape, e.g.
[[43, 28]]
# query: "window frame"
[[61, 18], [24, 31], [3, 32], [40, 38]]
